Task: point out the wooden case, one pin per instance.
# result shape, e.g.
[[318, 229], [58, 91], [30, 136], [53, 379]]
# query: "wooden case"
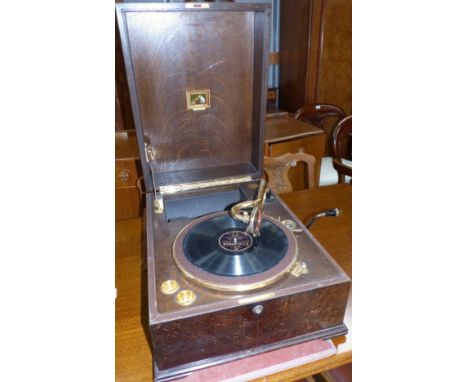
[[198, 159], [172, 49]]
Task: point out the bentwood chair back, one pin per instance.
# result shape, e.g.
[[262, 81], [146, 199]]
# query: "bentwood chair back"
[[318, 113], [341, 148], [322, 116]]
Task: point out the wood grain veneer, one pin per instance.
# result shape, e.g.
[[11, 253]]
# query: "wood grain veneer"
[[133, 355], [123, 110], [315, 57], [218, 327], [234, 330], [335, 234], [334, 79], [169, 49]]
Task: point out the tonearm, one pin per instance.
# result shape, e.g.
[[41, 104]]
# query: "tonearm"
[[250, 211]]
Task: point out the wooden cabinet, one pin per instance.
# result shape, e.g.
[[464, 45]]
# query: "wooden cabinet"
[[127, 172], [123, 109], [315, 58], [289, 135]]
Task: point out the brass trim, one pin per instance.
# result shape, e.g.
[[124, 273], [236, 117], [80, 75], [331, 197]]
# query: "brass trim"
[[198, 99], [158, 203], [239, 287], [253, 219], [186, 297], [233, 288], [261, 297], [182, 187], [299, 269], [170, 286], [238, 211]]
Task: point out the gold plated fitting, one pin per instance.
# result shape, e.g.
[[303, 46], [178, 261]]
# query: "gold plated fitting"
[[299, 269], [250, 211], [170, 286], [186, 297]]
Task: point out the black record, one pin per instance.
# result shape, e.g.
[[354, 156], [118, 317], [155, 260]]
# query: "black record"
[[221, 246]]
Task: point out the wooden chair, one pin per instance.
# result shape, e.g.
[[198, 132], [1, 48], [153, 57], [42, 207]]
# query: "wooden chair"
[[318, 113], [342, 133], [277, 169]]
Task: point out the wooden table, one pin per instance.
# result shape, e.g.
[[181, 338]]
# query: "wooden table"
[[127, 171], [288, 135], [133, 356]]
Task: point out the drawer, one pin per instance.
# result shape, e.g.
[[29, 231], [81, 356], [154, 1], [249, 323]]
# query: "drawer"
[[127, 171]]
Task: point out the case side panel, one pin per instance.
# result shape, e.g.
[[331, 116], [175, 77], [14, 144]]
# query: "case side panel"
[[195, 339]]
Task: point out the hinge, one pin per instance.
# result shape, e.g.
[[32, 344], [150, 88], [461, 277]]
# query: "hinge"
[[158, 203], [183, 187], [149, 152]]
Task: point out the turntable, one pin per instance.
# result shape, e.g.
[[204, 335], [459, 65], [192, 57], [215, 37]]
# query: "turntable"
[[231, 270]]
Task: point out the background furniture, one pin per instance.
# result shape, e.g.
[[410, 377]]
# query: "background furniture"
[[341, 148], [340, 374], [278, 168], [133, 355], [324, 115], [315, 56], [289, 135], [123, 109], [127, 172], [282, 135], [317, 113]]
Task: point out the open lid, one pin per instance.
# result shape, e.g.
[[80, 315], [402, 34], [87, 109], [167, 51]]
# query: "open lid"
[[197, 75]]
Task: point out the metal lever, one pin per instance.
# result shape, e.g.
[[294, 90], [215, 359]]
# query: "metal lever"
[[334, 212], [250, 211]]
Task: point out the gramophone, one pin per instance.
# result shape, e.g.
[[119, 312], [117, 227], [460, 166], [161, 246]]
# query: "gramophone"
[[231, 270]]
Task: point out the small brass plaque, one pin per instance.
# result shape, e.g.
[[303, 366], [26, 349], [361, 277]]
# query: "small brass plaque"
[[198, 99]]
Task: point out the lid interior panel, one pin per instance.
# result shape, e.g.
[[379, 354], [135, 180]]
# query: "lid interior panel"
[[175, 51]]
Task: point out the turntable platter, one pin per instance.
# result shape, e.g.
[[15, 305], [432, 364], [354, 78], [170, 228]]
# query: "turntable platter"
[[216, 252], [221, 246]]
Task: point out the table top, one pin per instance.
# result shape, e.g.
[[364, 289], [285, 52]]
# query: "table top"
[[334, 233], [284, 129], [133, 355]]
